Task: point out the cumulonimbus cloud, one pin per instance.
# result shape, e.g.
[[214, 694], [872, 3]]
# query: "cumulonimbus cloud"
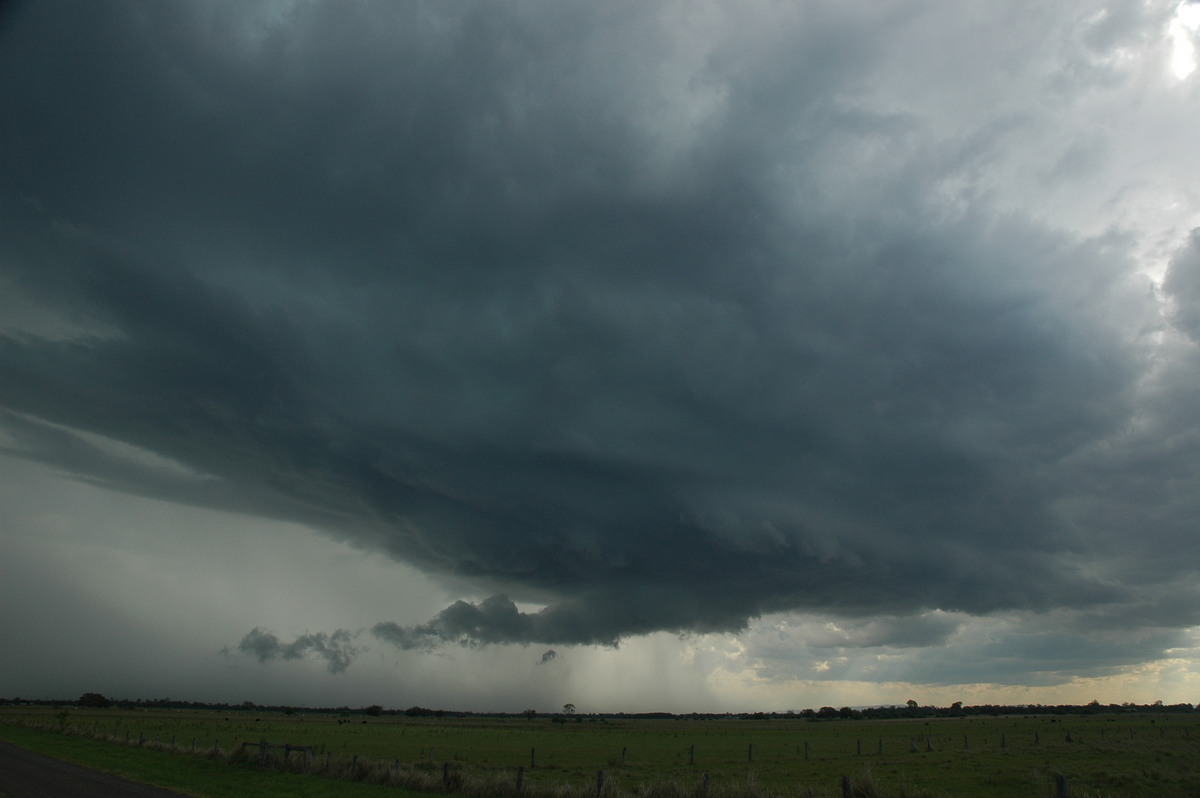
[[652, 337]]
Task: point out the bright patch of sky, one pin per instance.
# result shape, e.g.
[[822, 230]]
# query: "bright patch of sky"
[[1185, 26]]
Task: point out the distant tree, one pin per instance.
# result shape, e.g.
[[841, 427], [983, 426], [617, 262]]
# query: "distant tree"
[[911, 704], [374, 710], [94, 700], [289, 711], [568, 709], [530, 713]]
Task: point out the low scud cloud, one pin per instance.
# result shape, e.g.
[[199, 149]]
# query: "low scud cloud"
[[621, 333], [336, 649]]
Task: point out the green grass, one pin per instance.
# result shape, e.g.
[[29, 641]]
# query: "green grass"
[[1125, 756], [191, 775]]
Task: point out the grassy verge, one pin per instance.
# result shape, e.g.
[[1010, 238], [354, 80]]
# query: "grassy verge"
[[191, 775]]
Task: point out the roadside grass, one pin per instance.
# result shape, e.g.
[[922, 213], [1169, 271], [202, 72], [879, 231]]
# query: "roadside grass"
[[191, 775]]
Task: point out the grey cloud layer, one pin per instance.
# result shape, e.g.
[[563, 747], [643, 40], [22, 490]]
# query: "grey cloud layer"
[[590, 308], [1011, 649]]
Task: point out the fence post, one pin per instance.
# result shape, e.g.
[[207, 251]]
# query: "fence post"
[[881, 745], [520, 778], [691, 755], [806, 750], [845, 787], [704, 784], [600, 782], [262, 754], [1060, 786], [446, 774], [858, 744], [750, 753], [623, 750], [532, 758]]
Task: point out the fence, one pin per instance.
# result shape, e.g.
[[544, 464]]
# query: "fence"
[[424, 773]]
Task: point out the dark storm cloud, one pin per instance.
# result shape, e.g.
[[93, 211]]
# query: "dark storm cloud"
[[536, 297], [496, 620], [1183, 287]]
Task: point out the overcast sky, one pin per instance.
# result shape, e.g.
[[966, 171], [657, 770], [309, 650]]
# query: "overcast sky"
[[642, 355]]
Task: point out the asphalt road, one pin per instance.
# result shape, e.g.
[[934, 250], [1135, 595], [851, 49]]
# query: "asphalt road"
[[24, 774]]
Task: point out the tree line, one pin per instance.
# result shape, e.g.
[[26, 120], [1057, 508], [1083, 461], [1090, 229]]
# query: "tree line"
[[910, 709]]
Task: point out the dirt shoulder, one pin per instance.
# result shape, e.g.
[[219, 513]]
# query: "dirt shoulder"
[[24, 774]]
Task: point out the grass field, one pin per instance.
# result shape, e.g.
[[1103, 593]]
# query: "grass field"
[[1127, 756], [192, 775]]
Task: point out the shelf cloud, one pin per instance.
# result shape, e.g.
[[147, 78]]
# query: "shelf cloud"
[[623, 319]]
